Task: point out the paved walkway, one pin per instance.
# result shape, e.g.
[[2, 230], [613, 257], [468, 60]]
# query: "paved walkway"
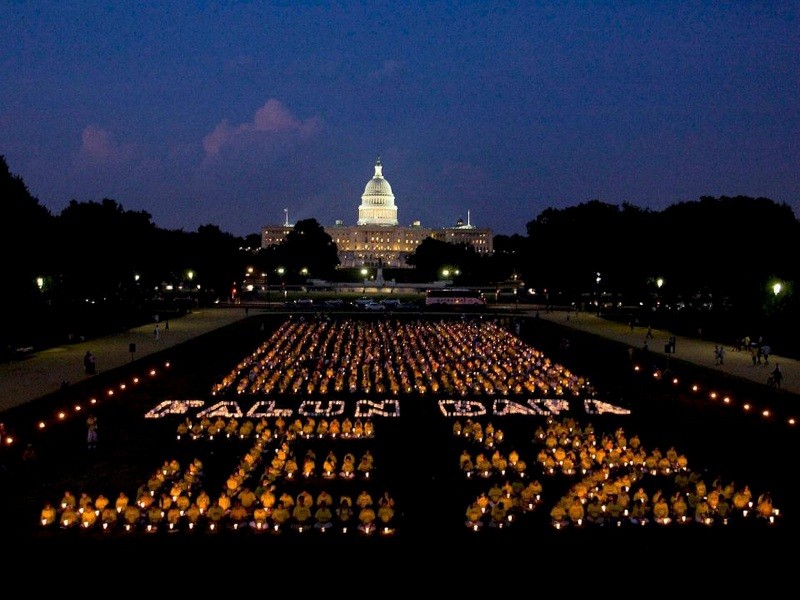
[[692, 350], [41, 373]]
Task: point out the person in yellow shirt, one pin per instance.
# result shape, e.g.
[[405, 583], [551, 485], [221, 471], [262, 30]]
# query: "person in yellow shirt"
[[463, 459], [640, 496], [69, 500], [329, 466], [260, 516], [344, 512], [661, 511], [173, 518], [69, 517], [679, 508], [742, 499], [558, 515], [101, 502], [215, 515], [182, 503], [576, 512], [528, 497], [347, 428], [203, 501], [764, 507], [366, 464], [121, 503], [324, 499], [132, 515], [386, 513], [109, 517], [302, 514], [48, 515], [702, 512], [154, 516], [88, 516], [268, 498], [615, 509], [309, 467], [495, 493], [640, 513], [367, 517], [498, 515], [364, 499], [248, 498], [238, 515], [224, 502], [193, 514], [595, 515], [322, 517], [280, 517], [474, 516]]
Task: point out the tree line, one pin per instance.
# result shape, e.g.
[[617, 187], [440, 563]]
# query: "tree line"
[[95, 266]]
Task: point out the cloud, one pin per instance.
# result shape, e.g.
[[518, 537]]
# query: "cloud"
[[98, 146], [272, 119], [388, 70]]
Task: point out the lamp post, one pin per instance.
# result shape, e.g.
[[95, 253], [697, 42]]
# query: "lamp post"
[[281, 271]]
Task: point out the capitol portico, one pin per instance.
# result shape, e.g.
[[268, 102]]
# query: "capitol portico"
[[378, 239]]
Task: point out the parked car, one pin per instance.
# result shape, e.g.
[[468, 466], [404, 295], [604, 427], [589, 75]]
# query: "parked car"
[[362, 302], [303, 303], [374, 306]]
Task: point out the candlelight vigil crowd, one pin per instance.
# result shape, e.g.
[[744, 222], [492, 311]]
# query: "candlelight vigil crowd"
[[349, 419]]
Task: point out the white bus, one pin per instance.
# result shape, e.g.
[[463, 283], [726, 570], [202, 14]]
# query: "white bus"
[[455, 298]]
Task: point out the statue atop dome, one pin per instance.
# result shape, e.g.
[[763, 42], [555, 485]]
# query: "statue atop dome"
[[377, 202]]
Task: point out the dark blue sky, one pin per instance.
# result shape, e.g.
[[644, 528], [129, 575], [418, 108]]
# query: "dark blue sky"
[[228, 112]]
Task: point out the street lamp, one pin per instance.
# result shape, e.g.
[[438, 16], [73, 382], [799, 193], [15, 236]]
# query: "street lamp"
[[281, 271]]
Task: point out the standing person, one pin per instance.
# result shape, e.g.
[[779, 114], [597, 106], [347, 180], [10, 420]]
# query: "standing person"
[[777, 375], [91, 432], [166, 326], [89, 363], [157, 332], [765, 352]]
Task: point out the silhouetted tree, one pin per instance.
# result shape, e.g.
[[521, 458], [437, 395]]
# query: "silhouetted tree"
[[307, 246]]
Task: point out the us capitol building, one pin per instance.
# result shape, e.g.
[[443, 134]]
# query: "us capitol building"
[[377, 238]]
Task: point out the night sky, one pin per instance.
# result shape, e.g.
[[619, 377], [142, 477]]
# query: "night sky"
[[226, 113]]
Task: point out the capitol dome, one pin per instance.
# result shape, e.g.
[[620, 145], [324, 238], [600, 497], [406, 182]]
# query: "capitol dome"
[[377, 202]]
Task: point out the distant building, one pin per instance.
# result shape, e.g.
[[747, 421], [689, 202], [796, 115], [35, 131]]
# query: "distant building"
[[378, 239], [465, 233]]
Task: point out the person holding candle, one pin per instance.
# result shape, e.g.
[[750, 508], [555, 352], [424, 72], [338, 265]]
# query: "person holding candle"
[[48, 515], [344, 512], [69, 500], [367, 518], [280, 516], [474, 515], [322, 517]]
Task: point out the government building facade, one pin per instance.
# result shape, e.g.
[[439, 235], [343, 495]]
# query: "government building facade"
[[377, 239]]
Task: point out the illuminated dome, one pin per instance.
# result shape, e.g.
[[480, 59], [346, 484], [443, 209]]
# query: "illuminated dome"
[[377, 202]]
